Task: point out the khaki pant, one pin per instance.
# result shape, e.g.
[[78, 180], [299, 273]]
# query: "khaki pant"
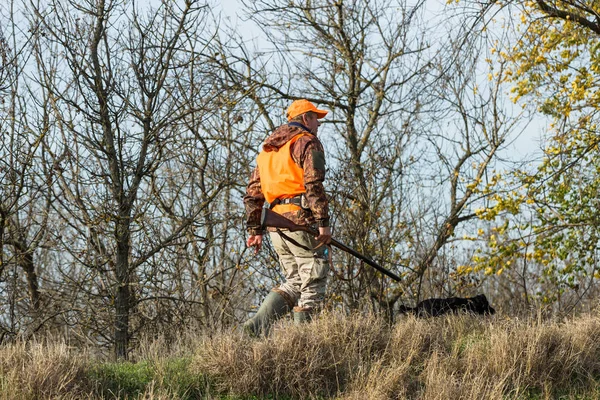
[[305, 271]]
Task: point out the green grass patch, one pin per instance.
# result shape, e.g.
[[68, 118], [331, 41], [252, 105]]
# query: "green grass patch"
[[121, 379], [177, 377], [131, 380]]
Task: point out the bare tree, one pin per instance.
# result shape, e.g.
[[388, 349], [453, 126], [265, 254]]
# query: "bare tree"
[[24, 195], [133, 92]]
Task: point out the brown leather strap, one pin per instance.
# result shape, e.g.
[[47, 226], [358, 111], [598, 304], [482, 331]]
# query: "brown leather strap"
[[294, 242]]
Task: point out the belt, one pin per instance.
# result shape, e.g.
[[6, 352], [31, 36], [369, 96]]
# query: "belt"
[[297, 200]]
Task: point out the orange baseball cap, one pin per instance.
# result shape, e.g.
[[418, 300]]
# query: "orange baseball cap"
[[299, 107]]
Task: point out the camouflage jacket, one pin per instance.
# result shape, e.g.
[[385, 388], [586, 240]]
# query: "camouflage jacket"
[[308, 153]]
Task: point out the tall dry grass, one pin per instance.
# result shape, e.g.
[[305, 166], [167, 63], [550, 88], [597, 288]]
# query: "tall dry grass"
[[47, 369], [50, 369], [315, 359], [358, 357], [456, 357]]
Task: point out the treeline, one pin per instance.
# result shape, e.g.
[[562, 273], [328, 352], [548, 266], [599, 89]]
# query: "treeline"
[[129, 131]]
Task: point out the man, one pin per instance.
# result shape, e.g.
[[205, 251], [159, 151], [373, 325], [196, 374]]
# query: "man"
[[289, 178]]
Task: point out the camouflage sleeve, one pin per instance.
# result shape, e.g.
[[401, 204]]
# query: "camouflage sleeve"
[[253, 201], [309, 154]]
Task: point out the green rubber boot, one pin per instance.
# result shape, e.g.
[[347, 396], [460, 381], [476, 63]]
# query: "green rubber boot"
[[302, 315], [273, 307]]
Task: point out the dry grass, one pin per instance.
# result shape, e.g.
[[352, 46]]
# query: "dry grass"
[[41, 370], [50, 369], [458, 357], [316, 359], [339, 357]]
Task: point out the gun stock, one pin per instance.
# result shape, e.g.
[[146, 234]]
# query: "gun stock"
[[272, 219]]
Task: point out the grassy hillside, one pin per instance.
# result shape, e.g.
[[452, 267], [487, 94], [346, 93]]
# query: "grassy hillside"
[[458, 357]]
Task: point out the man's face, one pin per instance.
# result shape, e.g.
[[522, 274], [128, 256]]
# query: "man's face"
[[311, 122]]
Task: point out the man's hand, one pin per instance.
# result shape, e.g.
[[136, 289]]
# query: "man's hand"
[[255, 241], [324, 235]]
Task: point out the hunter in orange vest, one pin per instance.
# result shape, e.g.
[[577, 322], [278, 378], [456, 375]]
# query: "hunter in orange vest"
[[289, 179]]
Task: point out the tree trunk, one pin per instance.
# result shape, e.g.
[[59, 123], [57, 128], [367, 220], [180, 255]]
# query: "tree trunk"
[[26, 261], [123, 297]]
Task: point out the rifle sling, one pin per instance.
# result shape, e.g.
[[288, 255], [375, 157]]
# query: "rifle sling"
[[294, 242]]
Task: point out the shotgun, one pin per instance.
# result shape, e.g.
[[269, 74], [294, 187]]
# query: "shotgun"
[[274, 220]]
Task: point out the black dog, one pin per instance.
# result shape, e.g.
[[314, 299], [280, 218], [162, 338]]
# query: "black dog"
[[436, 307]]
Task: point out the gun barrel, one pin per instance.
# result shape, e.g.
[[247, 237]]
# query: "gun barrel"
[[372, 263]]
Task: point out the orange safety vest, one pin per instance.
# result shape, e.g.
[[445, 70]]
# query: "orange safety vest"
[[280, 176]]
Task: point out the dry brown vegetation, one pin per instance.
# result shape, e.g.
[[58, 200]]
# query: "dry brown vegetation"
[[449, 358], [358, 357], [41, 370]]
